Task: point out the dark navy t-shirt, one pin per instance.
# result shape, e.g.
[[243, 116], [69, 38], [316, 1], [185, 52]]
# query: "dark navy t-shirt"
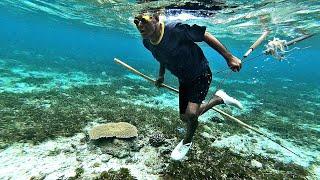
[[179, 53]]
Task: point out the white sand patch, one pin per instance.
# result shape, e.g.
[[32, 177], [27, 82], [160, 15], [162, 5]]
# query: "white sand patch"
[[22, 161], [315, 127], [57, 81], [134, 77], [255, 144], [164, 100], [270, 114], [310, 113], [60, 158]]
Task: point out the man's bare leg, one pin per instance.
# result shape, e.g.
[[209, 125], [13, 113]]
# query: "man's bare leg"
[[219, 98], [192, 113], [191, 119], [216, 100]]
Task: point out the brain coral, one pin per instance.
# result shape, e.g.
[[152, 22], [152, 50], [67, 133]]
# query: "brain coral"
[[157, 139], [119, 130]]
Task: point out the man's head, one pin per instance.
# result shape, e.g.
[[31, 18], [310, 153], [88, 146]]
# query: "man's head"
[[146, 24]]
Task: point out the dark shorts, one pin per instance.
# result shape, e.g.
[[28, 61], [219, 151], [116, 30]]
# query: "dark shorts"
[[195, 91]]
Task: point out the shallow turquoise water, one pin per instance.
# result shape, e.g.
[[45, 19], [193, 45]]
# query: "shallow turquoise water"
[[52, 38]]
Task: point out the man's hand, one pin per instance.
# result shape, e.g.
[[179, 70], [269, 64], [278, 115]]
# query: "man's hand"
[[159, 81], [234, 63]]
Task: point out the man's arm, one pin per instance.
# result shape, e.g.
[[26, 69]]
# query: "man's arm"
[[233, 62], [160, 79], [162, 70]]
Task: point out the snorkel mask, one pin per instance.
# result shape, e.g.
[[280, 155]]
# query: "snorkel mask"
[[144, 19]]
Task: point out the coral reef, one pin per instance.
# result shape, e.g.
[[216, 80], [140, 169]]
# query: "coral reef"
[[119, 148], [157, 139], [119, 130]]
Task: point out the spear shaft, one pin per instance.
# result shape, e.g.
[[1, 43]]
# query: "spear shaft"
[[234, 119]]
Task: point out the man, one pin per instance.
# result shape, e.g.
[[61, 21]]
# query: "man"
[[173, 45]]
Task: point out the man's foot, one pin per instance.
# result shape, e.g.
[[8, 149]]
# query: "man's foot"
[[228, 99], [180, 151]]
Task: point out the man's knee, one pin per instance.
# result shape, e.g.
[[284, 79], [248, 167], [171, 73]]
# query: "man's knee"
[[190, 116], [187, 117], [182, 117]]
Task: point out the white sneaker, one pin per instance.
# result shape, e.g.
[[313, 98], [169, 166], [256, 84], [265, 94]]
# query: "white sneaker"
[[228, 99], [180, 151]]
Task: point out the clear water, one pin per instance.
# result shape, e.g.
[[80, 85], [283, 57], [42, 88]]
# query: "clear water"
[[50, 45]]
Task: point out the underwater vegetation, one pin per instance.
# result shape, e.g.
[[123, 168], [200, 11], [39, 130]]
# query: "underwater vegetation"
[[122, 173], [6, 72], [282, 113], [37, 117], [216, 163], [57, 80], [34, 81]]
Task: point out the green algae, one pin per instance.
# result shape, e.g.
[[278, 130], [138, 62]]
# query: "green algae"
[[56, 151], [287, 107], [79, 172], [206, 162], [6, 72], [37, 117], [34, 81], [41, 116], [121, 174]]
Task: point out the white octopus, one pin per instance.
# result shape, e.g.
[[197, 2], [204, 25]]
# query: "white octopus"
[[276, 48]]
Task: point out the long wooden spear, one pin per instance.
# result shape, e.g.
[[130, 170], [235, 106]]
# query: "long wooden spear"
[[214, 108], [256, 44], [294, 41]]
